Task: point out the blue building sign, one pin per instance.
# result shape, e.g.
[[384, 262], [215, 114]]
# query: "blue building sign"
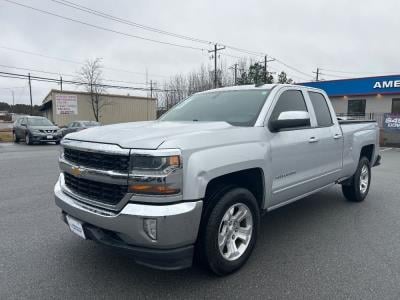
[[359, 86]]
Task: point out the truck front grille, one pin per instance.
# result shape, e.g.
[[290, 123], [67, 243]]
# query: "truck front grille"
[[95, 160], [105, 193]]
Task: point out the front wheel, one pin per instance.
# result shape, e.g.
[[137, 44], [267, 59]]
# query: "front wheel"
[[28, 139], [231, 231], [15, 137], [357, 189]]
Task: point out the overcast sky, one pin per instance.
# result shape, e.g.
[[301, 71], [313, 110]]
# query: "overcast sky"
[[337, 35]]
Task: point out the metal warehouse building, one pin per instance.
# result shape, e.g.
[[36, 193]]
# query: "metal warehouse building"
[[63, 107], [363, 96]]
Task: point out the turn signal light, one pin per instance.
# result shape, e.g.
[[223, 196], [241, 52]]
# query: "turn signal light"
[[153, 189]]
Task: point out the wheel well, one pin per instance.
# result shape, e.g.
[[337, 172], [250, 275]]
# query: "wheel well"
[[251, 179], [367, 151]]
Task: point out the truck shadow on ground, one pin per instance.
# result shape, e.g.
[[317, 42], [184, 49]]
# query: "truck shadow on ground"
[[288, 236]]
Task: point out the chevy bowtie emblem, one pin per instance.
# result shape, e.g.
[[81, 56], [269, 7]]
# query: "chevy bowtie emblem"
[[76, 171]]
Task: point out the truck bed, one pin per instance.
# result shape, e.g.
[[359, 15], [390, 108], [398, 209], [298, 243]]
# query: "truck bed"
[[345, 122]]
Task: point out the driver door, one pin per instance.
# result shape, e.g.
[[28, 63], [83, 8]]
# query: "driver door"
[[292, 150]]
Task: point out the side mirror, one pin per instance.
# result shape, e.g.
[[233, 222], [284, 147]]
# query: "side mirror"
[[290, 119]]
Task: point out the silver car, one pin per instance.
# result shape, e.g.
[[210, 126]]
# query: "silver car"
[[78, 126]]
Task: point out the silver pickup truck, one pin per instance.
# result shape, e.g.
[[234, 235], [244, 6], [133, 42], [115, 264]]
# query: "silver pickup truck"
[[196, 182]]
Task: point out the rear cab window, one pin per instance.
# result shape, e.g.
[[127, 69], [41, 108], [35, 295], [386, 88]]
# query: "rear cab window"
[[321, 109]]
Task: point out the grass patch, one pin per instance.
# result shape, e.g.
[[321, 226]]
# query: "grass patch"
[[6, 136]]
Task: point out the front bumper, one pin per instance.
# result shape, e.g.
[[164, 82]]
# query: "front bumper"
[[41, 137], [177, 229]]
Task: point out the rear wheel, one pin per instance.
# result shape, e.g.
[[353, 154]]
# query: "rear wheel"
[[357, 189], [231, 231]]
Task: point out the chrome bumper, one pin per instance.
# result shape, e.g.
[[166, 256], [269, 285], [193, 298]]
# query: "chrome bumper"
[[177, 224]]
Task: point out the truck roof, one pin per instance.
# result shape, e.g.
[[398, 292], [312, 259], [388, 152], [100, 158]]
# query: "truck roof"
[[255, 87]]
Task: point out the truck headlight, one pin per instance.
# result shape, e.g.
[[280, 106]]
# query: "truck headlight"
[[156, 173]]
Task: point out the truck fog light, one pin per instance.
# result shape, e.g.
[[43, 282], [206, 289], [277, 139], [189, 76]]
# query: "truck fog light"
[[150, 227]]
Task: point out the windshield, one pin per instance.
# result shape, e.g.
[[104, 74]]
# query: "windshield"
[[238, 108], [90, 123], [39, 122]]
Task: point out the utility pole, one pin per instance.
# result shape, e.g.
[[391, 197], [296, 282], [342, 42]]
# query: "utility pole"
[[317, 74], [266, 61], [12, 92], [216, 49], [236, 65], [30, 91], [61, 83], [235, 69]]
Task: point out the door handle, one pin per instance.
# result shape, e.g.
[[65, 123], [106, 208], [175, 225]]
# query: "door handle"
[[312, 139], [337, 136]]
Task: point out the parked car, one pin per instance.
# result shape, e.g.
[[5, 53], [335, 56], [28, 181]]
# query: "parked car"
[[35, 130], [199, 178], [78, 126]]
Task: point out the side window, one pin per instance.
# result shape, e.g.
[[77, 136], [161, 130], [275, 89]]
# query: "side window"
[[291, 100], [396, 106], [356, 107], [322, 113]]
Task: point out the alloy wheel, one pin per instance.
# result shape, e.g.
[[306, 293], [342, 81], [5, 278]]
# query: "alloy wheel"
[[364, 179], [235, 231]]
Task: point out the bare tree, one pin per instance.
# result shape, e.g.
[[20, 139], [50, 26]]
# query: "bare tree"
[[91, 75]]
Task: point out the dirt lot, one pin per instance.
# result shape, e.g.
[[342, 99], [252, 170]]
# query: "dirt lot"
[[6, 136]]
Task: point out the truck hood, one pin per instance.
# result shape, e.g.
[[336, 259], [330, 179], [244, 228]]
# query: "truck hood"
[[146, 135]]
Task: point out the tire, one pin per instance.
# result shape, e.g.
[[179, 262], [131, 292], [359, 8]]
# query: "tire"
[[15, 137], [357, 188], [57, 142], [28, 139], [223, 227]]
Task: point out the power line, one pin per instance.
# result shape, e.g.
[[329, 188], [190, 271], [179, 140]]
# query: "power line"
[[334, 75], [76, 62], [289, 74], [104, 28], [160, 31], [56, 80], [127, 22], [254, 53], [67, 75], [292, 68], [354, 73]]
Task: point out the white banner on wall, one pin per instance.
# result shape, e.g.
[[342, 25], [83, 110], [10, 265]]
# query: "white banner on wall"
[[66, 104]]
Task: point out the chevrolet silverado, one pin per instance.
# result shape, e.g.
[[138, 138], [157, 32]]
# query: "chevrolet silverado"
[[195, 182]]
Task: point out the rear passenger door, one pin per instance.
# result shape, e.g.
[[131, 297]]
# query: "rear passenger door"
[[330, 139]]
